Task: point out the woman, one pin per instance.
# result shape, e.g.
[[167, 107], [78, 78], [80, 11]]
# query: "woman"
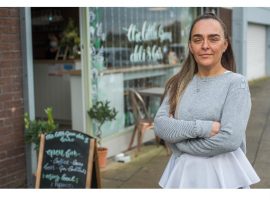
[[204, 115]]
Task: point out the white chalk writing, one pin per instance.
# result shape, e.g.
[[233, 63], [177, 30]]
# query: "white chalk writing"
[[150, 31], [66, 178], [51, 177], [62, 153], [77, 163], [76, 169], [62, 168], [60, 161], [48, 167], [62, 185], [141, 54], [66, 136], [96, 31]]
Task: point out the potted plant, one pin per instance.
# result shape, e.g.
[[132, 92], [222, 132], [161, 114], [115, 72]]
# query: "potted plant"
[[71, 39], [34, 128], [101, 112]]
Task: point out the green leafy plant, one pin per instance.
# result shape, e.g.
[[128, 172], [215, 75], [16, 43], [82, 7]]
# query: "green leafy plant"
[[101, 112], [71, 38], [34, 128]]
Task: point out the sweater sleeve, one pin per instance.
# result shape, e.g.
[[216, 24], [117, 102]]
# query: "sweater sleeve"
[[234, 120], [172, 130]]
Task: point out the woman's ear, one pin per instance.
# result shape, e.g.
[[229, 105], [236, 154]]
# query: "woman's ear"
[[225, 45], [190, 48]]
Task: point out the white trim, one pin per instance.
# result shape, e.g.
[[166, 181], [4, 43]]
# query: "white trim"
[[86, 68]]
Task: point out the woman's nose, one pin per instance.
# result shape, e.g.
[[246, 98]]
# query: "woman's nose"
[[205, 44]]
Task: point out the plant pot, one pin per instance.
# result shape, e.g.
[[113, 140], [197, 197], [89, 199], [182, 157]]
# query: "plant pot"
[[102, 156]]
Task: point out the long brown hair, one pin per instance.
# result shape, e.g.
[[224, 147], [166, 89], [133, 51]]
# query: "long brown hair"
[[177, 84]]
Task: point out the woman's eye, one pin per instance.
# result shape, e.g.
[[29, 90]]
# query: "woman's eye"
[[197, 40], [214, 39]]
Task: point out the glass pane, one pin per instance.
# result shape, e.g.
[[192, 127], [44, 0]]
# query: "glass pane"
[[142, 44]]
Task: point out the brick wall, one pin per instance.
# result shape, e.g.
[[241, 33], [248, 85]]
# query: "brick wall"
[[12, 148]]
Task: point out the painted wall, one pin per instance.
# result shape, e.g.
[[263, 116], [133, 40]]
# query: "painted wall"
[[243, 22]]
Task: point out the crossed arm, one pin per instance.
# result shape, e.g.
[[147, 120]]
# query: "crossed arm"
[[202, 138], [174, 131]]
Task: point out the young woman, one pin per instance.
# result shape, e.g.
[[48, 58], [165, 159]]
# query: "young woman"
[[204, 115]]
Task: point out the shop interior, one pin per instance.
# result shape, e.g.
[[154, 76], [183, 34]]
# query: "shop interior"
[[56, 52], [51, 28]]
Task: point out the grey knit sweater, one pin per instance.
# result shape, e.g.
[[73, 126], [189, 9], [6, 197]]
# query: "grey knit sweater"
[[224, 98]]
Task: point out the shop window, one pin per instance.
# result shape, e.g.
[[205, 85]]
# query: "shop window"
[[130, 37], [144, 45], [155, 81]]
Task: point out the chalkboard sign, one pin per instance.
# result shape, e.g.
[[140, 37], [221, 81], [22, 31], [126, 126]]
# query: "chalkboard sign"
[[67, 159]]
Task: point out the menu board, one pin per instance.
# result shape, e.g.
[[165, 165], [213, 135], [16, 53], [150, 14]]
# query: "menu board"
[[67, 159]]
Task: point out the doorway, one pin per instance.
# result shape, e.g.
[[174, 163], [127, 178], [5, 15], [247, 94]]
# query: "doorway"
[[56, 53]]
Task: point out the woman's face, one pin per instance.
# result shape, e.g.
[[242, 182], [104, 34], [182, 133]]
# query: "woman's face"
[[207, 43]]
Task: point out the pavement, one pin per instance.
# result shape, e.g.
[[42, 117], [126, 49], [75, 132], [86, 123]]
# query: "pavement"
[[146, 167]]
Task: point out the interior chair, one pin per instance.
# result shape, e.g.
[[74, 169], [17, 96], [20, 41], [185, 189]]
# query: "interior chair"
[[142, 119]]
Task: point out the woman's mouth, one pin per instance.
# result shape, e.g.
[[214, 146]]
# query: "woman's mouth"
[[205, 55]]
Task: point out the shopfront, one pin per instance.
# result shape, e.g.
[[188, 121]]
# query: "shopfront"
[[120, 48]]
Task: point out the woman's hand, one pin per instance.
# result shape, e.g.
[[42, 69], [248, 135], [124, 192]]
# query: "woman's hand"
[[215, 128]]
